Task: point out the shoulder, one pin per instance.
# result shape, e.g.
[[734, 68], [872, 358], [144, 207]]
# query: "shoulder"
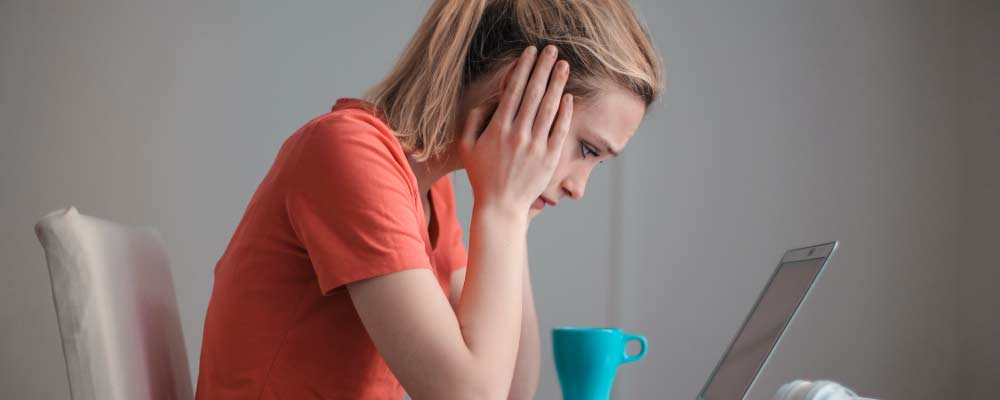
[[354, 118], [444, 183], [351, 135], [351, 126], [444, 188], [346, 145]]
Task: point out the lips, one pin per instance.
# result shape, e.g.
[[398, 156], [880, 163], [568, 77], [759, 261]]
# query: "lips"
[[543, 201], [538, 204]]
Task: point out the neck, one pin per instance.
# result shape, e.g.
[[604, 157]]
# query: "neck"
[[433, 169]]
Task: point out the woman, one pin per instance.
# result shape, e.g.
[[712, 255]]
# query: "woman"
[[347, 277]]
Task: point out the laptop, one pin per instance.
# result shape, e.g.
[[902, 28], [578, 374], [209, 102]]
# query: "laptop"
[[763, 328]]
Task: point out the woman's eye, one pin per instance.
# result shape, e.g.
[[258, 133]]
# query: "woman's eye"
[[585, 150]]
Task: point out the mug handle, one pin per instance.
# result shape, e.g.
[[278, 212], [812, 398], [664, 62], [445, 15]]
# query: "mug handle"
[[627, 337]]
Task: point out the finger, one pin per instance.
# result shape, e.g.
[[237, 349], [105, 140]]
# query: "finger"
[[515, 87], [551, 102], [535, 90], [561, 129]]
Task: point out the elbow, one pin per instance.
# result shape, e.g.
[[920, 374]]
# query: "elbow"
[[467, 392], [488, 379], [470, 383], [484, 388], [522, 392], [489, 392]]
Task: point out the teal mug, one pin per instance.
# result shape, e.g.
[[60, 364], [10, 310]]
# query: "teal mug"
[[587, 359]]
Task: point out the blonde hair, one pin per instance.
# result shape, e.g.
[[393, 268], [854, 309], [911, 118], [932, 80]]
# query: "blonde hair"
[[460, 41]]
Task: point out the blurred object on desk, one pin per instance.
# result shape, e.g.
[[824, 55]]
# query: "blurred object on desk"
[[818, 390]]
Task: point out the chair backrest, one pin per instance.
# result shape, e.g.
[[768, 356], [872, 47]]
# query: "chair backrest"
[[114, 297]]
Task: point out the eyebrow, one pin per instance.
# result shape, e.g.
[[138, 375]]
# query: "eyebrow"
[[607, 147]]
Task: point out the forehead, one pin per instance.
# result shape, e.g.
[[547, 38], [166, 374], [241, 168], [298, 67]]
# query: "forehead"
[[613, 114]]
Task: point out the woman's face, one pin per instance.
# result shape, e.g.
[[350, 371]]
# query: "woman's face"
[[601, 126]]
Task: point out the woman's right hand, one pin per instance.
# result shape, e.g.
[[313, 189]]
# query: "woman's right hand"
[[513, 160]]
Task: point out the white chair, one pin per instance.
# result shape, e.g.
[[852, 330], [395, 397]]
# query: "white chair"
[[117, 312]]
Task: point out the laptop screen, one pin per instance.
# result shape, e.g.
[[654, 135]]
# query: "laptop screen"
[[761, 331]]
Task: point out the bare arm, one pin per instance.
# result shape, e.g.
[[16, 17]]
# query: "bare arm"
[[525, 382], [440, 353]]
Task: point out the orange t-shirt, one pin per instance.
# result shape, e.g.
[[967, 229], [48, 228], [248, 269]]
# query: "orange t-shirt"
[[339, 204]]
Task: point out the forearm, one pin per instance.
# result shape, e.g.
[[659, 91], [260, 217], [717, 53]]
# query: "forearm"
[[490, 309], [525, 382]]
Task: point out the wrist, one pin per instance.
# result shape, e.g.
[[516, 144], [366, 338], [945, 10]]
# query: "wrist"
[[499, 212]]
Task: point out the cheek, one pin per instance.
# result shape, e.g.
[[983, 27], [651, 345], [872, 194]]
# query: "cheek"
[[570, 153], [564, 166]]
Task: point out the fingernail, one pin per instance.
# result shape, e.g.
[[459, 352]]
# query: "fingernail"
[[530, 50]]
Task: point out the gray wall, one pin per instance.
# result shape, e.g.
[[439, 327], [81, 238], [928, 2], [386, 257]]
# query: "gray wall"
[[791, 123], [784, 123], [980, 127]]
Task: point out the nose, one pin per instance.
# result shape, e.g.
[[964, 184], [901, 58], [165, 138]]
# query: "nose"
[[575, 181], [573, 188]]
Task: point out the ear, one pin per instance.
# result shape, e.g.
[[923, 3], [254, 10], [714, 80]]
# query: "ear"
[[505, 75]]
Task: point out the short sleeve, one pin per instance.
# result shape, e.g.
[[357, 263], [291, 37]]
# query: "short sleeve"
[[350, 203]]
